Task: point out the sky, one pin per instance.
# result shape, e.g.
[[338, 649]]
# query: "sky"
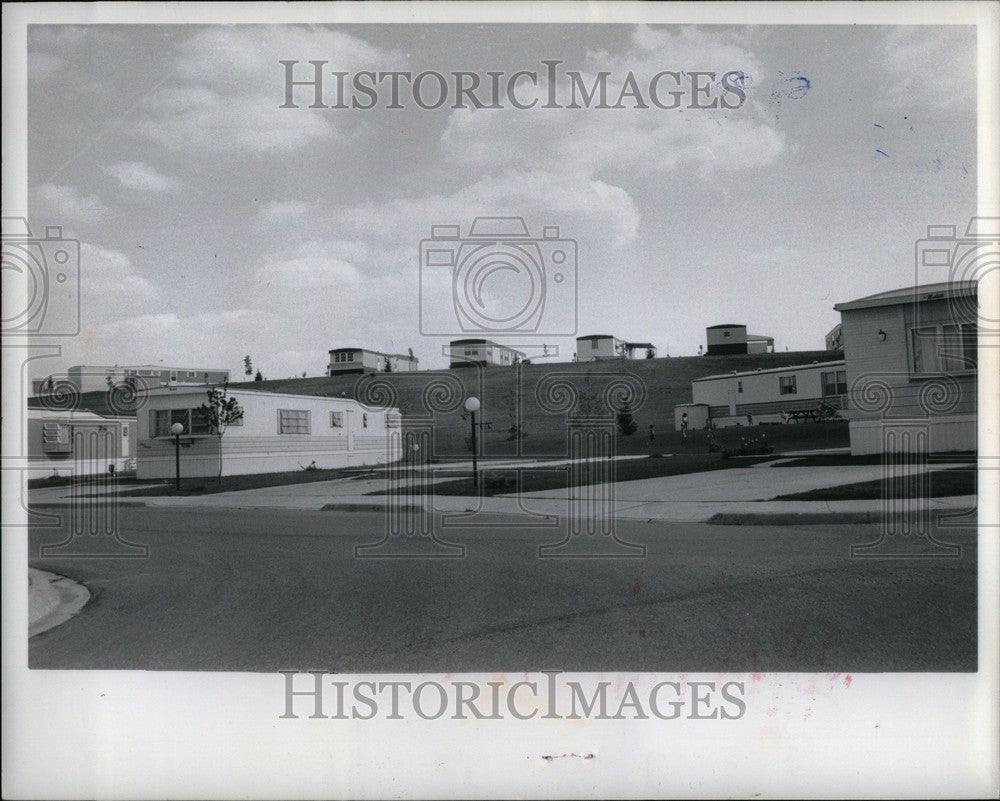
[[215, 224]]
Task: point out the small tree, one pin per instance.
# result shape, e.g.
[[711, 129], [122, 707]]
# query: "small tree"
[[247, 366], [626, 423], [258, 377], [650, 353], [220, 412], [388, 365]]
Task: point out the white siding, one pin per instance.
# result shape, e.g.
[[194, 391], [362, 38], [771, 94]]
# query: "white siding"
[[871, 358], [256, 446], [763, 387], [587, 352]]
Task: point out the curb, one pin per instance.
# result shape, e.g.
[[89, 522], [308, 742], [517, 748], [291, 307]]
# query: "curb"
[[52, 600], [792, 518], [371, 507], [64, 504]]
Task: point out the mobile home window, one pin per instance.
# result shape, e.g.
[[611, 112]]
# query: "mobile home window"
[[293, 421], [739, 386], [786, 385], [336, 419], [593, 344], [364, 420], [194, 421], [834, 383], [947, 348], [958, 347]]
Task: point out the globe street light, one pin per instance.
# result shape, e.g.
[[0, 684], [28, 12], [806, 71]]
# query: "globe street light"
[[472, 406], [177, 429]]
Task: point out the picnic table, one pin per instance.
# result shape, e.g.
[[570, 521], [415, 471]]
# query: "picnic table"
[[805, 415]]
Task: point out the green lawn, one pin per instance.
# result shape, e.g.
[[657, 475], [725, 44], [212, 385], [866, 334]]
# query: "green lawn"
[[504, 481], [942, 484], [843, 459], [209, 486], [124, 479]]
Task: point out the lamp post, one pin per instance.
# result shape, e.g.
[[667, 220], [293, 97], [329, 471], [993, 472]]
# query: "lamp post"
[[472, 406], [177, 429]]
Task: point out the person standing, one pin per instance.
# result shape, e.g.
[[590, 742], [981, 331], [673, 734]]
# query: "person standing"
[[684, 425]]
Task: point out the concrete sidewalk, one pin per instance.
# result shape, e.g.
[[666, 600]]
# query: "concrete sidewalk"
[[52, 599], [740, 494]]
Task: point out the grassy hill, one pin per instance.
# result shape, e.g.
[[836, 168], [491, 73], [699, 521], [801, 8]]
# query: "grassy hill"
[[665, 382]]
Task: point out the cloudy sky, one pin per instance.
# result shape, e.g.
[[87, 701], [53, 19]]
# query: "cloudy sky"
[[216, 224]]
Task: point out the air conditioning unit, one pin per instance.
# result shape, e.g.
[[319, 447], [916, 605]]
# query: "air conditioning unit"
[[56, 438]]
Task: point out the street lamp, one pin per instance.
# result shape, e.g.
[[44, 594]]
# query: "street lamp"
[[472, 406], [177, 429]]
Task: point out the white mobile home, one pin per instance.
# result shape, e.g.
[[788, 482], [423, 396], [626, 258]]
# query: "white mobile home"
[[912, 360], [733, 338], [78, 443], [361, 360], [279, 432], [770, 396], [482, 352], [594, 347]]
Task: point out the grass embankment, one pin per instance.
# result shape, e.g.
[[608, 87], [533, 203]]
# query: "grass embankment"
[[209, 486], [506, 481], [944, 483]]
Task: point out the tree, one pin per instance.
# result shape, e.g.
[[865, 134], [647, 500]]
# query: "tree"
[[258, 377], [247, 366], [626, 423], [388, 365], [650, 353], [220, 412]]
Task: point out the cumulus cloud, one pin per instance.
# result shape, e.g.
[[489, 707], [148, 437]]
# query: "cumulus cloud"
[[142, 177], [575, 201], [211, 339], [227, 87], [614, 141], [933, 65], [69, 204], [281, 211], [110, 281]]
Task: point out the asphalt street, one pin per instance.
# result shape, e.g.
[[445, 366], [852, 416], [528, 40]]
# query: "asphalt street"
[[267, 590]]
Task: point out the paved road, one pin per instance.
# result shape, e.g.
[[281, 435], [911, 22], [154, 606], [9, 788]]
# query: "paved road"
[[263, 590]]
